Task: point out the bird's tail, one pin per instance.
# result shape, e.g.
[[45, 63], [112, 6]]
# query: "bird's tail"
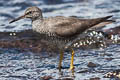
[[103, 20]]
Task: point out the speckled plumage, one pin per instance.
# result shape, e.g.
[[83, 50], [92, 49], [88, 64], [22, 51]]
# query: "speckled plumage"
[[59, 30]]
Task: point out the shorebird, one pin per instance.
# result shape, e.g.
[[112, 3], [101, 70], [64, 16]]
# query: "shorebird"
[[60, 30]]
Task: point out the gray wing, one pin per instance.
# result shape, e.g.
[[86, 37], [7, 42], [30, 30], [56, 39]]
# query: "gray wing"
[[75, 26]]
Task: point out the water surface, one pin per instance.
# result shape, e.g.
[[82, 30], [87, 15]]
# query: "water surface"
[[16, 65]]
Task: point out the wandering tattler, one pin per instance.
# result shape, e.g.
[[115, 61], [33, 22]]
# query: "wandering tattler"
[[59, 30]]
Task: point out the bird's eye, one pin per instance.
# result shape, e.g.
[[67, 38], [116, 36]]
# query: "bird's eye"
[[29, 12]]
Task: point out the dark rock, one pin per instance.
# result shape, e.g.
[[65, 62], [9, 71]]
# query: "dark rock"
[[47, 77], [83, 71], [26, 40], [109, 59], [67, 79], [29, 40], [113, 31], [96, 78], [91, 64]]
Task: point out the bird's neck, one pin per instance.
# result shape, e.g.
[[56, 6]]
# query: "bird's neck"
[[37, 18], [36, 24]]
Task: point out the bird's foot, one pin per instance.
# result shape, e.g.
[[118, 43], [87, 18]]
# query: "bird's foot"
[[71, 68]]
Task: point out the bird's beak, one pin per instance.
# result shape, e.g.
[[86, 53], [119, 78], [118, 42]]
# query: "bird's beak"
[[21, 17]]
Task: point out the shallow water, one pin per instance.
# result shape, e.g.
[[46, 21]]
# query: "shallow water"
[[16, 65]]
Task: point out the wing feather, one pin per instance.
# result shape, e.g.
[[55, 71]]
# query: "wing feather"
[[73, 26]]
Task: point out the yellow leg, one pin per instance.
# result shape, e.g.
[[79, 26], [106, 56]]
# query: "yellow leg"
[[72, 59], [60, 61]]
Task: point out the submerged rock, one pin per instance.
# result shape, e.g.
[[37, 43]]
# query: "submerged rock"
[[113, 74], [91, 64], [32, 41]]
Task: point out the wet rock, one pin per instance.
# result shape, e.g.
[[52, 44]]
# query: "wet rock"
[[96, 78], [90, 40], [68, 79], [25, 40], [113, 31], [109, 59], [47, 77], [28, 41], [91, 64], [113, 74]]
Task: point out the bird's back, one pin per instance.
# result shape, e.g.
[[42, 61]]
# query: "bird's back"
[[52, 23], [64, 29]]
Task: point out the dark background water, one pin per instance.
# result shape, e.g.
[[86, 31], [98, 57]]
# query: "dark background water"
[[15, 65]]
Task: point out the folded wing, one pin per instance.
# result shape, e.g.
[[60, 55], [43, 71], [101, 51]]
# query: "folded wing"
[[74, 26]]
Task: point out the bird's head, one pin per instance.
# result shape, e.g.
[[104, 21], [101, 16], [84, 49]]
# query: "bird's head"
[[32, 12]]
